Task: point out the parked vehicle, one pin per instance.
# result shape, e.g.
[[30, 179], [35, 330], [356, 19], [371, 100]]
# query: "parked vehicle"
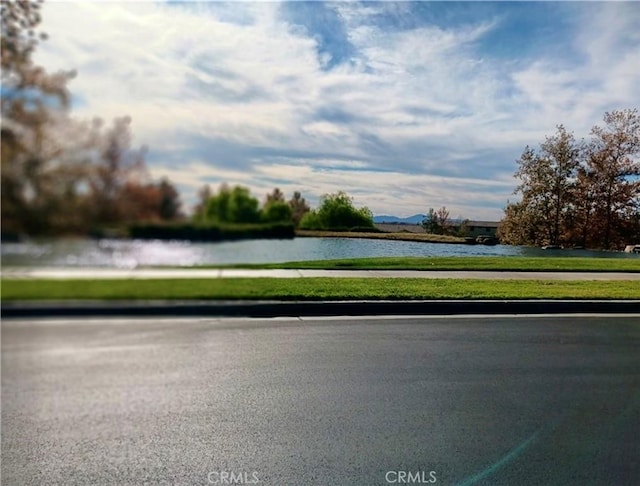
[[487, 240]]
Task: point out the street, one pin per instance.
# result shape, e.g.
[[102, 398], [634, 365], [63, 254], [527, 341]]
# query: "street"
[[511, 400]]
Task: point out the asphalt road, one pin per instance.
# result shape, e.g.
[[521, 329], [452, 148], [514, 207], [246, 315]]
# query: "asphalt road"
[[445, 401]]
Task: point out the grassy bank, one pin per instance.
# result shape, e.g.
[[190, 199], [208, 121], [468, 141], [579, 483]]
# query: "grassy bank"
[[522, 264], [314, 289], [404, 236]]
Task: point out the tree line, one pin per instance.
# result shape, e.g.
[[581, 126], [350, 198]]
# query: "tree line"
[[233, 213], [579, 193], [236, 205]]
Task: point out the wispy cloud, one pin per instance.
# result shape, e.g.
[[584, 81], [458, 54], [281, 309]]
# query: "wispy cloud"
[[403, 105]]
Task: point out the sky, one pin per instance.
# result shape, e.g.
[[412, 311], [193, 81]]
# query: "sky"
[[403, 105]]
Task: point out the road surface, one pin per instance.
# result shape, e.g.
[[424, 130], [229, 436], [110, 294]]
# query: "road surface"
[[359, 401]]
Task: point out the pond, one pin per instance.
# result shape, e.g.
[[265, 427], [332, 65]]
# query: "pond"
[[133, 253]]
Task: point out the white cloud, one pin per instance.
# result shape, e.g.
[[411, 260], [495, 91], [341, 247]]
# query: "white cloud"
[[602, 76], [418, 118], [400, 193]]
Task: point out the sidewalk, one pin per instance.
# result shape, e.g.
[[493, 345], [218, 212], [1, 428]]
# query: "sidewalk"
[[113, 273]]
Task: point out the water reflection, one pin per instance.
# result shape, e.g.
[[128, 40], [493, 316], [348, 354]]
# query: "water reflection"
[[134, 253]]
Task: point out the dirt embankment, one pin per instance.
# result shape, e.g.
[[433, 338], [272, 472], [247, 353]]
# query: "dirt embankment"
[[399, 236]]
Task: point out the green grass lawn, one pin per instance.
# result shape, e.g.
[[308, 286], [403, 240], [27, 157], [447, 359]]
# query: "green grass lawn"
[[529, 264], [315, 289]]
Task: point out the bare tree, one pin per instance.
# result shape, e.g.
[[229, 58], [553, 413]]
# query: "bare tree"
[[116, 166], [444, 222], [614, 165], [548, 179], [577, 193], [437, 221], [34, 107], [299, 207], [58, 174], [274, 196]]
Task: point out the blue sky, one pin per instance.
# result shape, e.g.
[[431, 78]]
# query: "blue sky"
[[404, 105]]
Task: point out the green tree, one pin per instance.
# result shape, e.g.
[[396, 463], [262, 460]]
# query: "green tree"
[[243, 208], [276, 211], [232, 205], [217, 207], [311, 221], [275, 208], [337, 212], [430, 222]]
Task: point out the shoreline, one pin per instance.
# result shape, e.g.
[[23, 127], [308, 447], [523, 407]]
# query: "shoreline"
[[418, 237]]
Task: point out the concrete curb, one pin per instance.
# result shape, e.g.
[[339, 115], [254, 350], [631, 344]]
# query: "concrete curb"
[[311, 308]]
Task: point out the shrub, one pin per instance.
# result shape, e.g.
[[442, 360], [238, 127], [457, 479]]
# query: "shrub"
[[276, 211], [234, 205], [337, 213], [311, 221], [211, 232]]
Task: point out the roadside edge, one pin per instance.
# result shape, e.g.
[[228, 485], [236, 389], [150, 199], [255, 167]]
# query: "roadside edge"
[[44, 309]]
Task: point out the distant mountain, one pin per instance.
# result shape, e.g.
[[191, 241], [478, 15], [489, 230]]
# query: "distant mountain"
[[415, 219]]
